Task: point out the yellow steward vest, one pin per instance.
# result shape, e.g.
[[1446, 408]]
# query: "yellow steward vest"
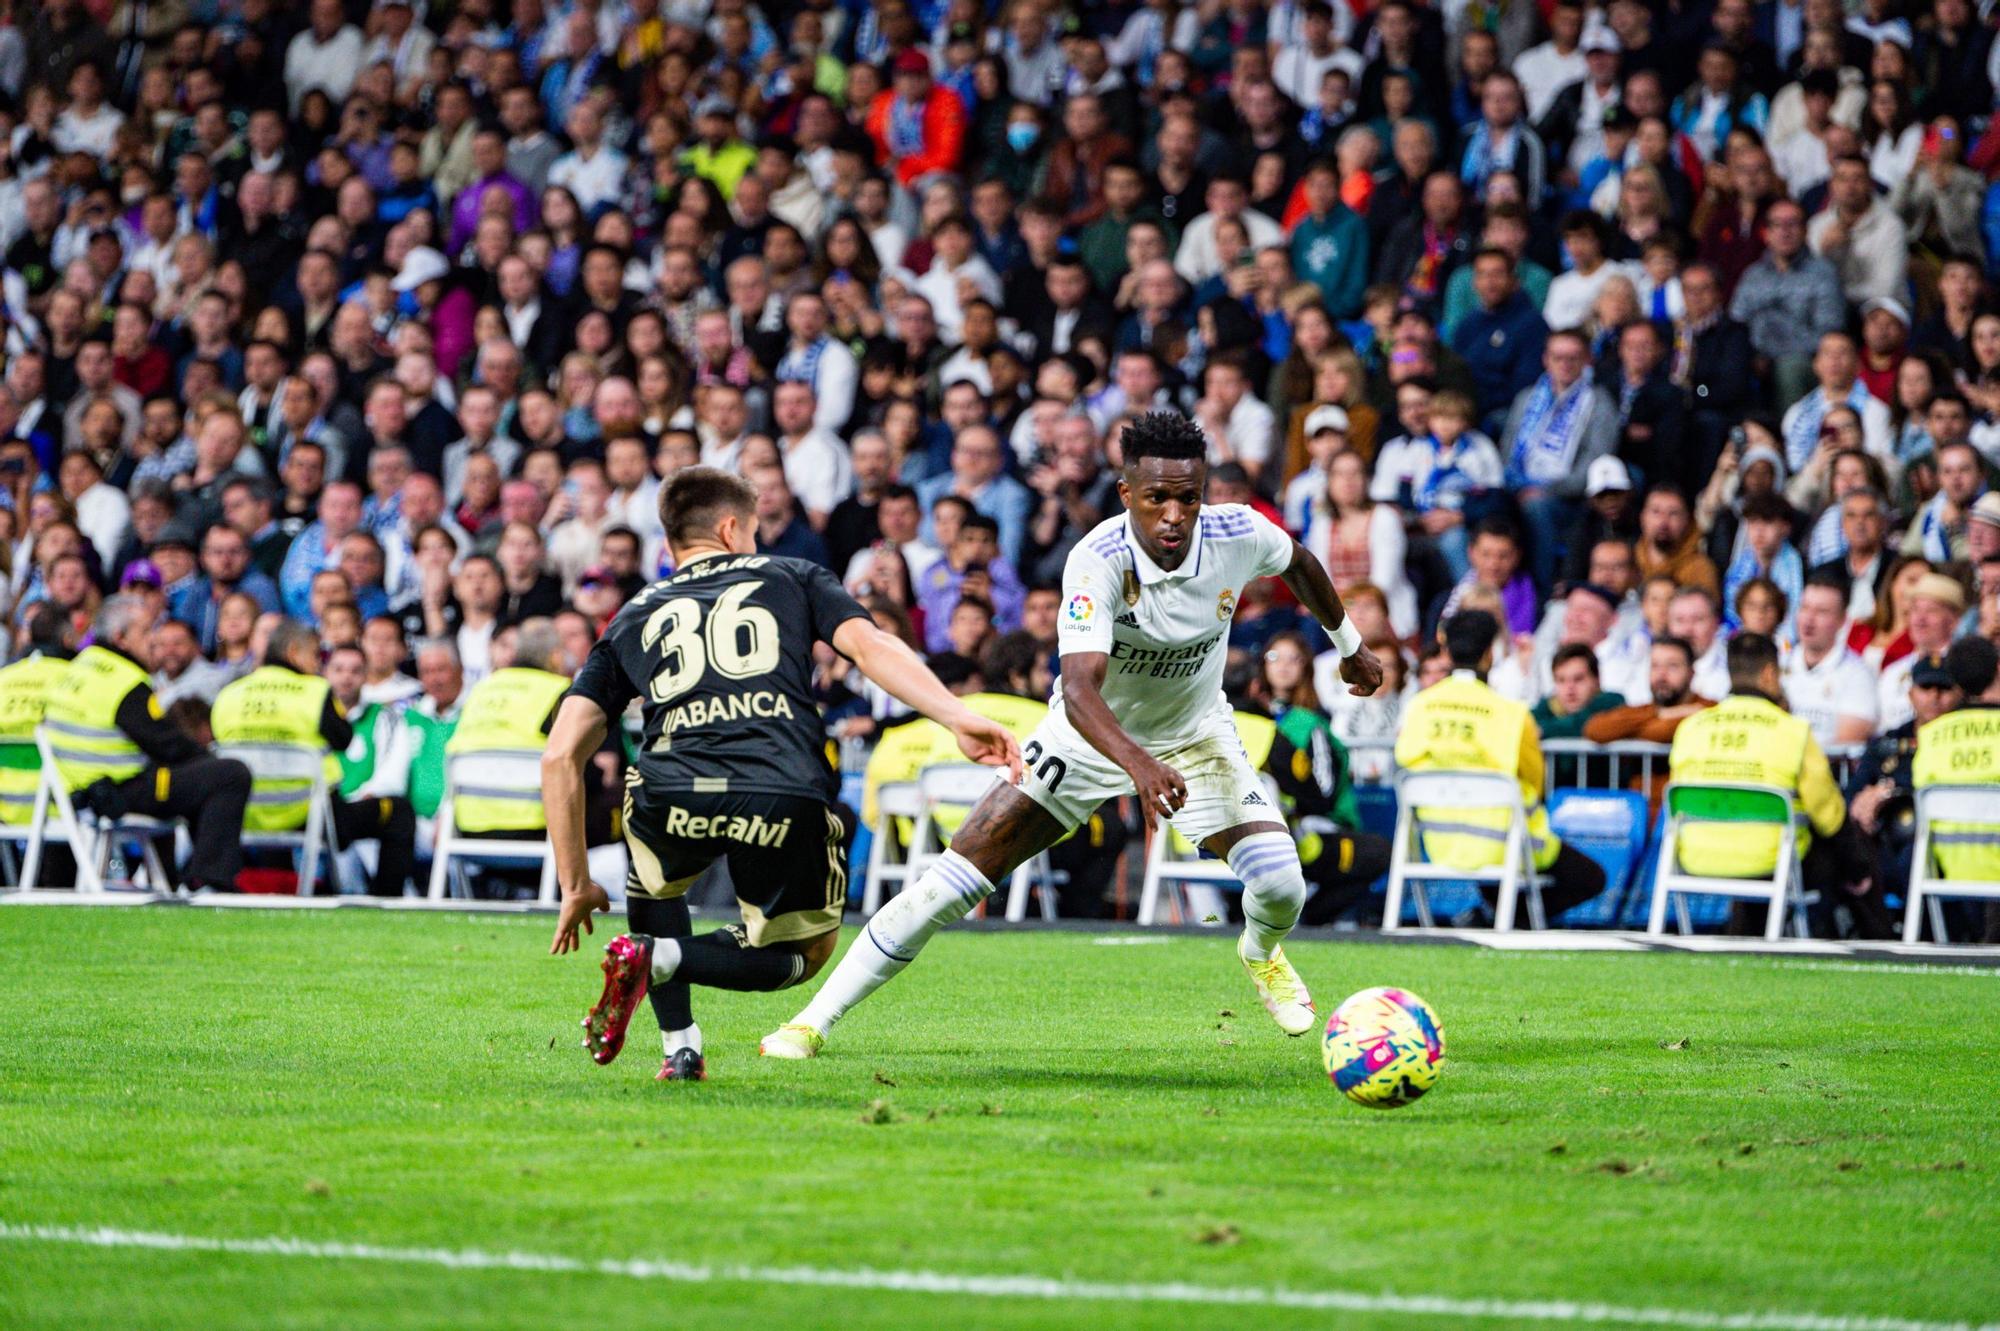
[[1459, 724], [1744, 740], [82, 719], [1960, 748], [504, 711], [904, 751], [24, 693], [275, 705]]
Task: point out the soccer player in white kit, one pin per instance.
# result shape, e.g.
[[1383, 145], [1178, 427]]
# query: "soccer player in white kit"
[[1148, 598]]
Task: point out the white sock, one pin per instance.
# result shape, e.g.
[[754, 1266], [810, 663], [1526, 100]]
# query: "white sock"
[[682, 1039], [948, 890], [666, 959], [1274, 890]]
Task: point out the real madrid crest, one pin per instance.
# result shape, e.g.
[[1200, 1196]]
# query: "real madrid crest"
[[1225, 605]]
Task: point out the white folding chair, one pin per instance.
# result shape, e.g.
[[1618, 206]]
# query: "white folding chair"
[[293, 763], [21, 835], [961, 785], [887, 861], [1441, 793], [505, 774], [1740, 805], [1173, 863], [1973, 805], [90, 841]]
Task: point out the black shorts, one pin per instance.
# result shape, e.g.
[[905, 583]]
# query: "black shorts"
[[787, 855]]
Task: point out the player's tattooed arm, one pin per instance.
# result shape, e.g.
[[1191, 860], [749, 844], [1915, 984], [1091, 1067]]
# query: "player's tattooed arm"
[[889, 662], [577, 734], [1309, 582], [1160, 788]]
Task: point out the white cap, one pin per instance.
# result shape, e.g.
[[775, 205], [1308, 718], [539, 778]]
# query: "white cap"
[[1326, 418], [422, 264], [1598, 38], [1606, 474], [1890, 305]]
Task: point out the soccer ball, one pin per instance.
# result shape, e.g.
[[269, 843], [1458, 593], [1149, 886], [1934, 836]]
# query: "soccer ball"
[[1383, 1048]]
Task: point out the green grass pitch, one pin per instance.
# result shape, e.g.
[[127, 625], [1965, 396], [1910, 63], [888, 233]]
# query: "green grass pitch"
[[1826, 1142]]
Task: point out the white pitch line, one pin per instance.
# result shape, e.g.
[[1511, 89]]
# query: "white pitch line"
[[990, 1286]]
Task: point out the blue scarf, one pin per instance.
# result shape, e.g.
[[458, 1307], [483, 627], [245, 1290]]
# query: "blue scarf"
[[1803, 436], [1443, 468], [1545, 445], [803, 366], [1481, 157], [906, 128]]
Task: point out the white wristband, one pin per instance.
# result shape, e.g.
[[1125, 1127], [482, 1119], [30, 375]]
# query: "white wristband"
[[1347, 638]]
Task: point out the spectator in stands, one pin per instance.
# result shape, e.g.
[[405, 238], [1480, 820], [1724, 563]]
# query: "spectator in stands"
[[1670, 680], [976, 476], [1826, 683], [1555, 429], [1501, 340], [1695, 617], [1766, 552], [1669, 542], [179, 671], [1494, 558], [1939, 531], [972, 567], [1936, 601], [1576, 695], [1860, 235], [225, 571], [1315, 780]]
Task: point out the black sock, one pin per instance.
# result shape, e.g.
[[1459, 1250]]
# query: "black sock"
[[664, 919], [719, 960]]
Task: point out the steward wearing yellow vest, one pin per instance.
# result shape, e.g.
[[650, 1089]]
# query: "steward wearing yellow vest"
[[117, 754], [24, 693], [285, 702], [1960, 748], [509, 710], [1460, 724], [1750, 739]]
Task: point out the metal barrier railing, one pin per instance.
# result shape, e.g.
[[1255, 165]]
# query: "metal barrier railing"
[[1614, 766]]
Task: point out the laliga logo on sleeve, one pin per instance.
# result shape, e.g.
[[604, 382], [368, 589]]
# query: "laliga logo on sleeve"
[[1080, 609]]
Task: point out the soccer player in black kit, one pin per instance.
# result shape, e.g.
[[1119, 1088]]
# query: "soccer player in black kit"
[[732, 766]]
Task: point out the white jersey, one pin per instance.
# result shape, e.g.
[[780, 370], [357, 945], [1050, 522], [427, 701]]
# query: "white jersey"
[[1167, 633], [1841, 685]]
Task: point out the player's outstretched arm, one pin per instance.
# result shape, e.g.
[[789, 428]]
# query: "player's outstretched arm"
[[1160, 788], [577, 734], [1308, 580], [889, 662]]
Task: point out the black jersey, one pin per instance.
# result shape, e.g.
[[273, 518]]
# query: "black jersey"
[[720, 657]]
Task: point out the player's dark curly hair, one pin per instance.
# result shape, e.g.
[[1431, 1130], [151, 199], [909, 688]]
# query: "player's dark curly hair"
[[1163, 434]]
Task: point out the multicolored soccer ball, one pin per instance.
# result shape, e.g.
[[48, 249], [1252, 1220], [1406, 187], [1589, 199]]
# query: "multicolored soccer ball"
[[1383, 1048]]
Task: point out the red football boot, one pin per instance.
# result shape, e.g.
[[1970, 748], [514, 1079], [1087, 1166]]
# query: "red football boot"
[[628, 969]]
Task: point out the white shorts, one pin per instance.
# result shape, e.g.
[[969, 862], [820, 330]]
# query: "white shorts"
[[1066, 776]]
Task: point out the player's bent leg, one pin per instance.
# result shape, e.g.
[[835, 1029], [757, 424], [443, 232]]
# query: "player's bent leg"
[[1004, 829], [1265, 857], [673, 1008]]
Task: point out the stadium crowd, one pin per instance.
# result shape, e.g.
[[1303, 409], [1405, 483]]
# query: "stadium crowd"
[[1636, 326]]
